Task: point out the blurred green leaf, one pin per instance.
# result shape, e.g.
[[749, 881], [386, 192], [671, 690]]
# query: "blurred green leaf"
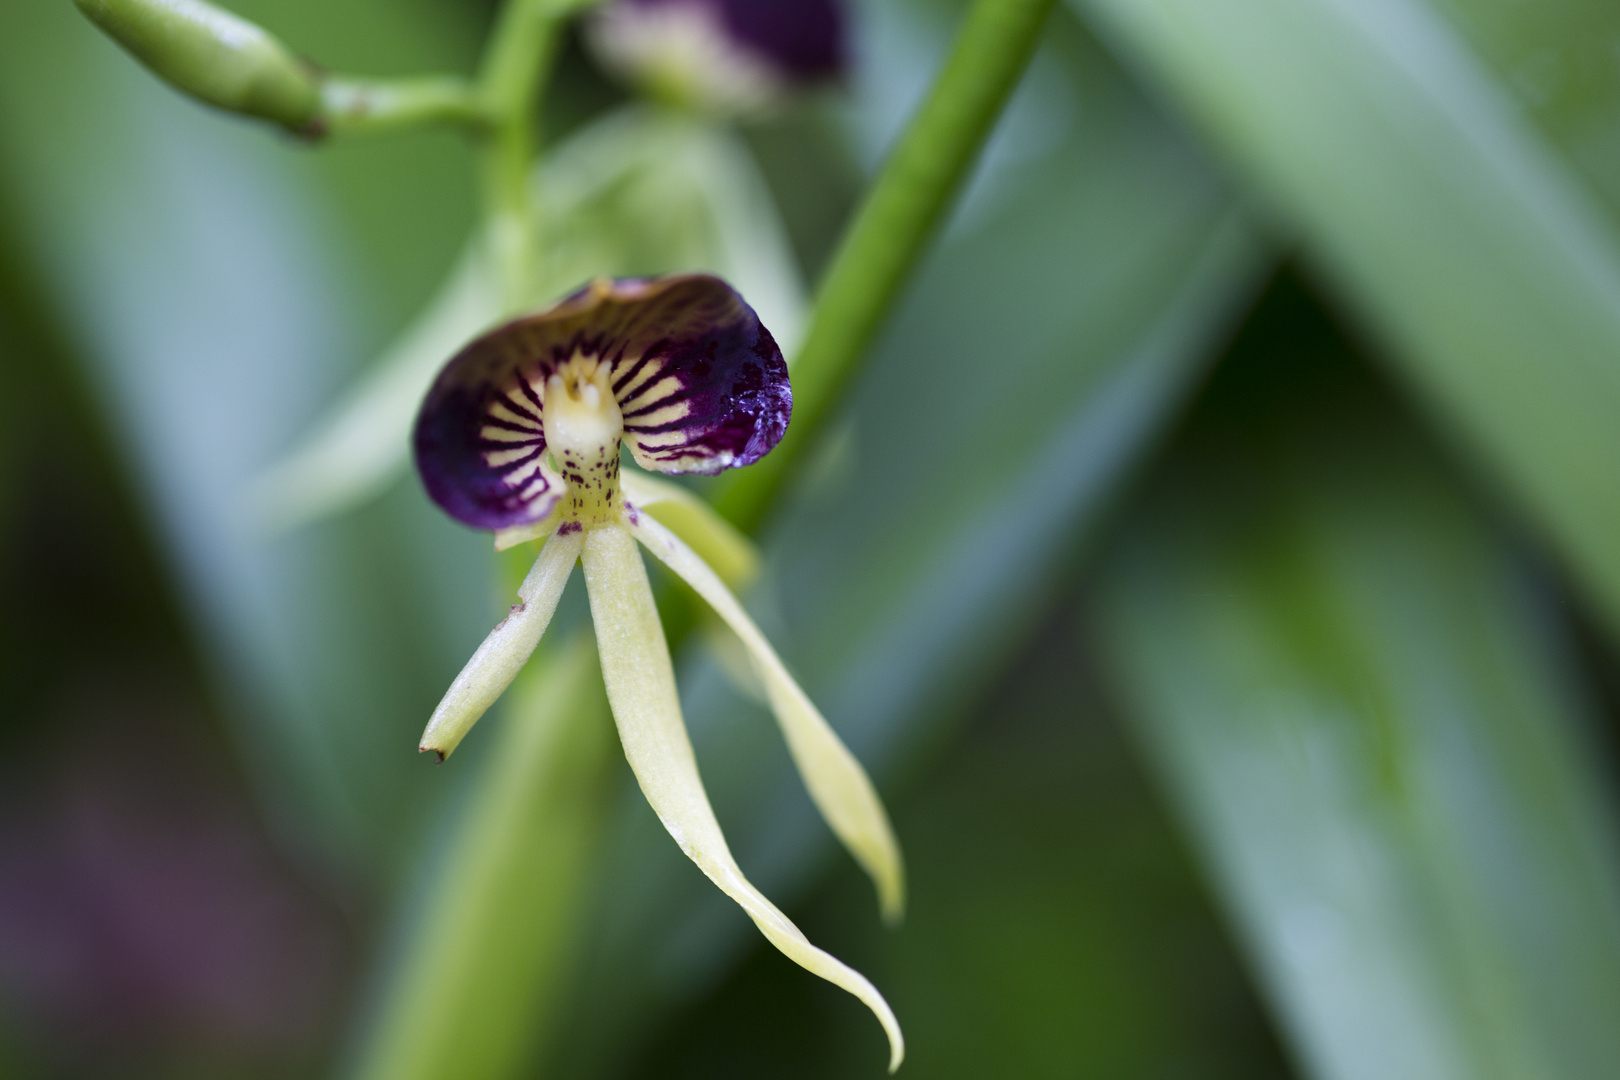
[[1060, 324], [360, 445], [1359, 697], [211, 279], [1558, 58], [505, 898], [1418, 185]]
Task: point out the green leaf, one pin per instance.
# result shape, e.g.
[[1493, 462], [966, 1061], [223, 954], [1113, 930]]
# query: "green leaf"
[[1359, 698], [1422, 191], [1557, 57]]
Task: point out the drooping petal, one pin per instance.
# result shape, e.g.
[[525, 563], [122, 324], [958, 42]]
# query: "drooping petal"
[[506, 649], [840, 787], [641, 690], [717, 541]]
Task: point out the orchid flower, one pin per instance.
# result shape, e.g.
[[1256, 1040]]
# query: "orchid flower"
[[521, 434], [721, 56], [640, 188]]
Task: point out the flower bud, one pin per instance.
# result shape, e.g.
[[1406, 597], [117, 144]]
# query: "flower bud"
[[214, 56], [728, 56]]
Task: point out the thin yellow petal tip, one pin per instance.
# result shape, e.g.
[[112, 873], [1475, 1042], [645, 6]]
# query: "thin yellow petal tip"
[[897, 1044], [890, 881], [893, 913]]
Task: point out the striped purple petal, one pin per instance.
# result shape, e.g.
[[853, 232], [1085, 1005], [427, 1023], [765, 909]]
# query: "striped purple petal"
[[480, 447], [700, 382]]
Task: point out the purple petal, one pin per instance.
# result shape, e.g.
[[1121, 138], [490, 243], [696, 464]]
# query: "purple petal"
[[481, 455], [479, 441], [800, 41], [701, 383], [804, 38]]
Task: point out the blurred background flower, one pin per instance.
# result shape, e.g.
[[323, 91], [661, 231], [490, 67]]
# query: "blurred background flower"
[[1228, 617], [726, 56]]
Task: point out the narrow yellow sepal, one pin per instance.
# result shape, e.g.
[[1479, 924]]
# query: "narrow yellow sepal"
[[640, 685], [717, 541], [840, 787], [506, 649], [522, 534]]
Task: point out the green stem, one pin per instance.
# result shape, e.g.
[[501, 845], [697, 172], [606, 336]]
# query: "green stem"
[[892, 228], [233, 64], [355, 106], [515, 68]]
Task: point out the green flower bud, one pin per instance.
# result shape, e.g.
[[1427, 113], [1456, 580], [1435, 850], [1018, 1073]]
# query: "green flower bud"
[[215, 57]]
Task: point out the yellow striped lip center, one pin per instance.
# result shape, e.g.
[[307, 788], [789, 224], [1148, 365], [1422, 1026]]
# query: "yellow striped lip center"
[[581, 417], [583, 428]]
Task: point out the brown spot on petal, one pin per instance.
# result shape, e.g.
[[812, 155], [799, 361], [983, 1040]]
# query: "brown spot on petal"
[[514, 610]]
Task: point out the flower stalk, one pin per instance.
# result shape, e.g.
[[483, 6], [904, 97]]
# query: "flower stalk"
[[515, 66], [216, 57], [355, 106], [233, 64]]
